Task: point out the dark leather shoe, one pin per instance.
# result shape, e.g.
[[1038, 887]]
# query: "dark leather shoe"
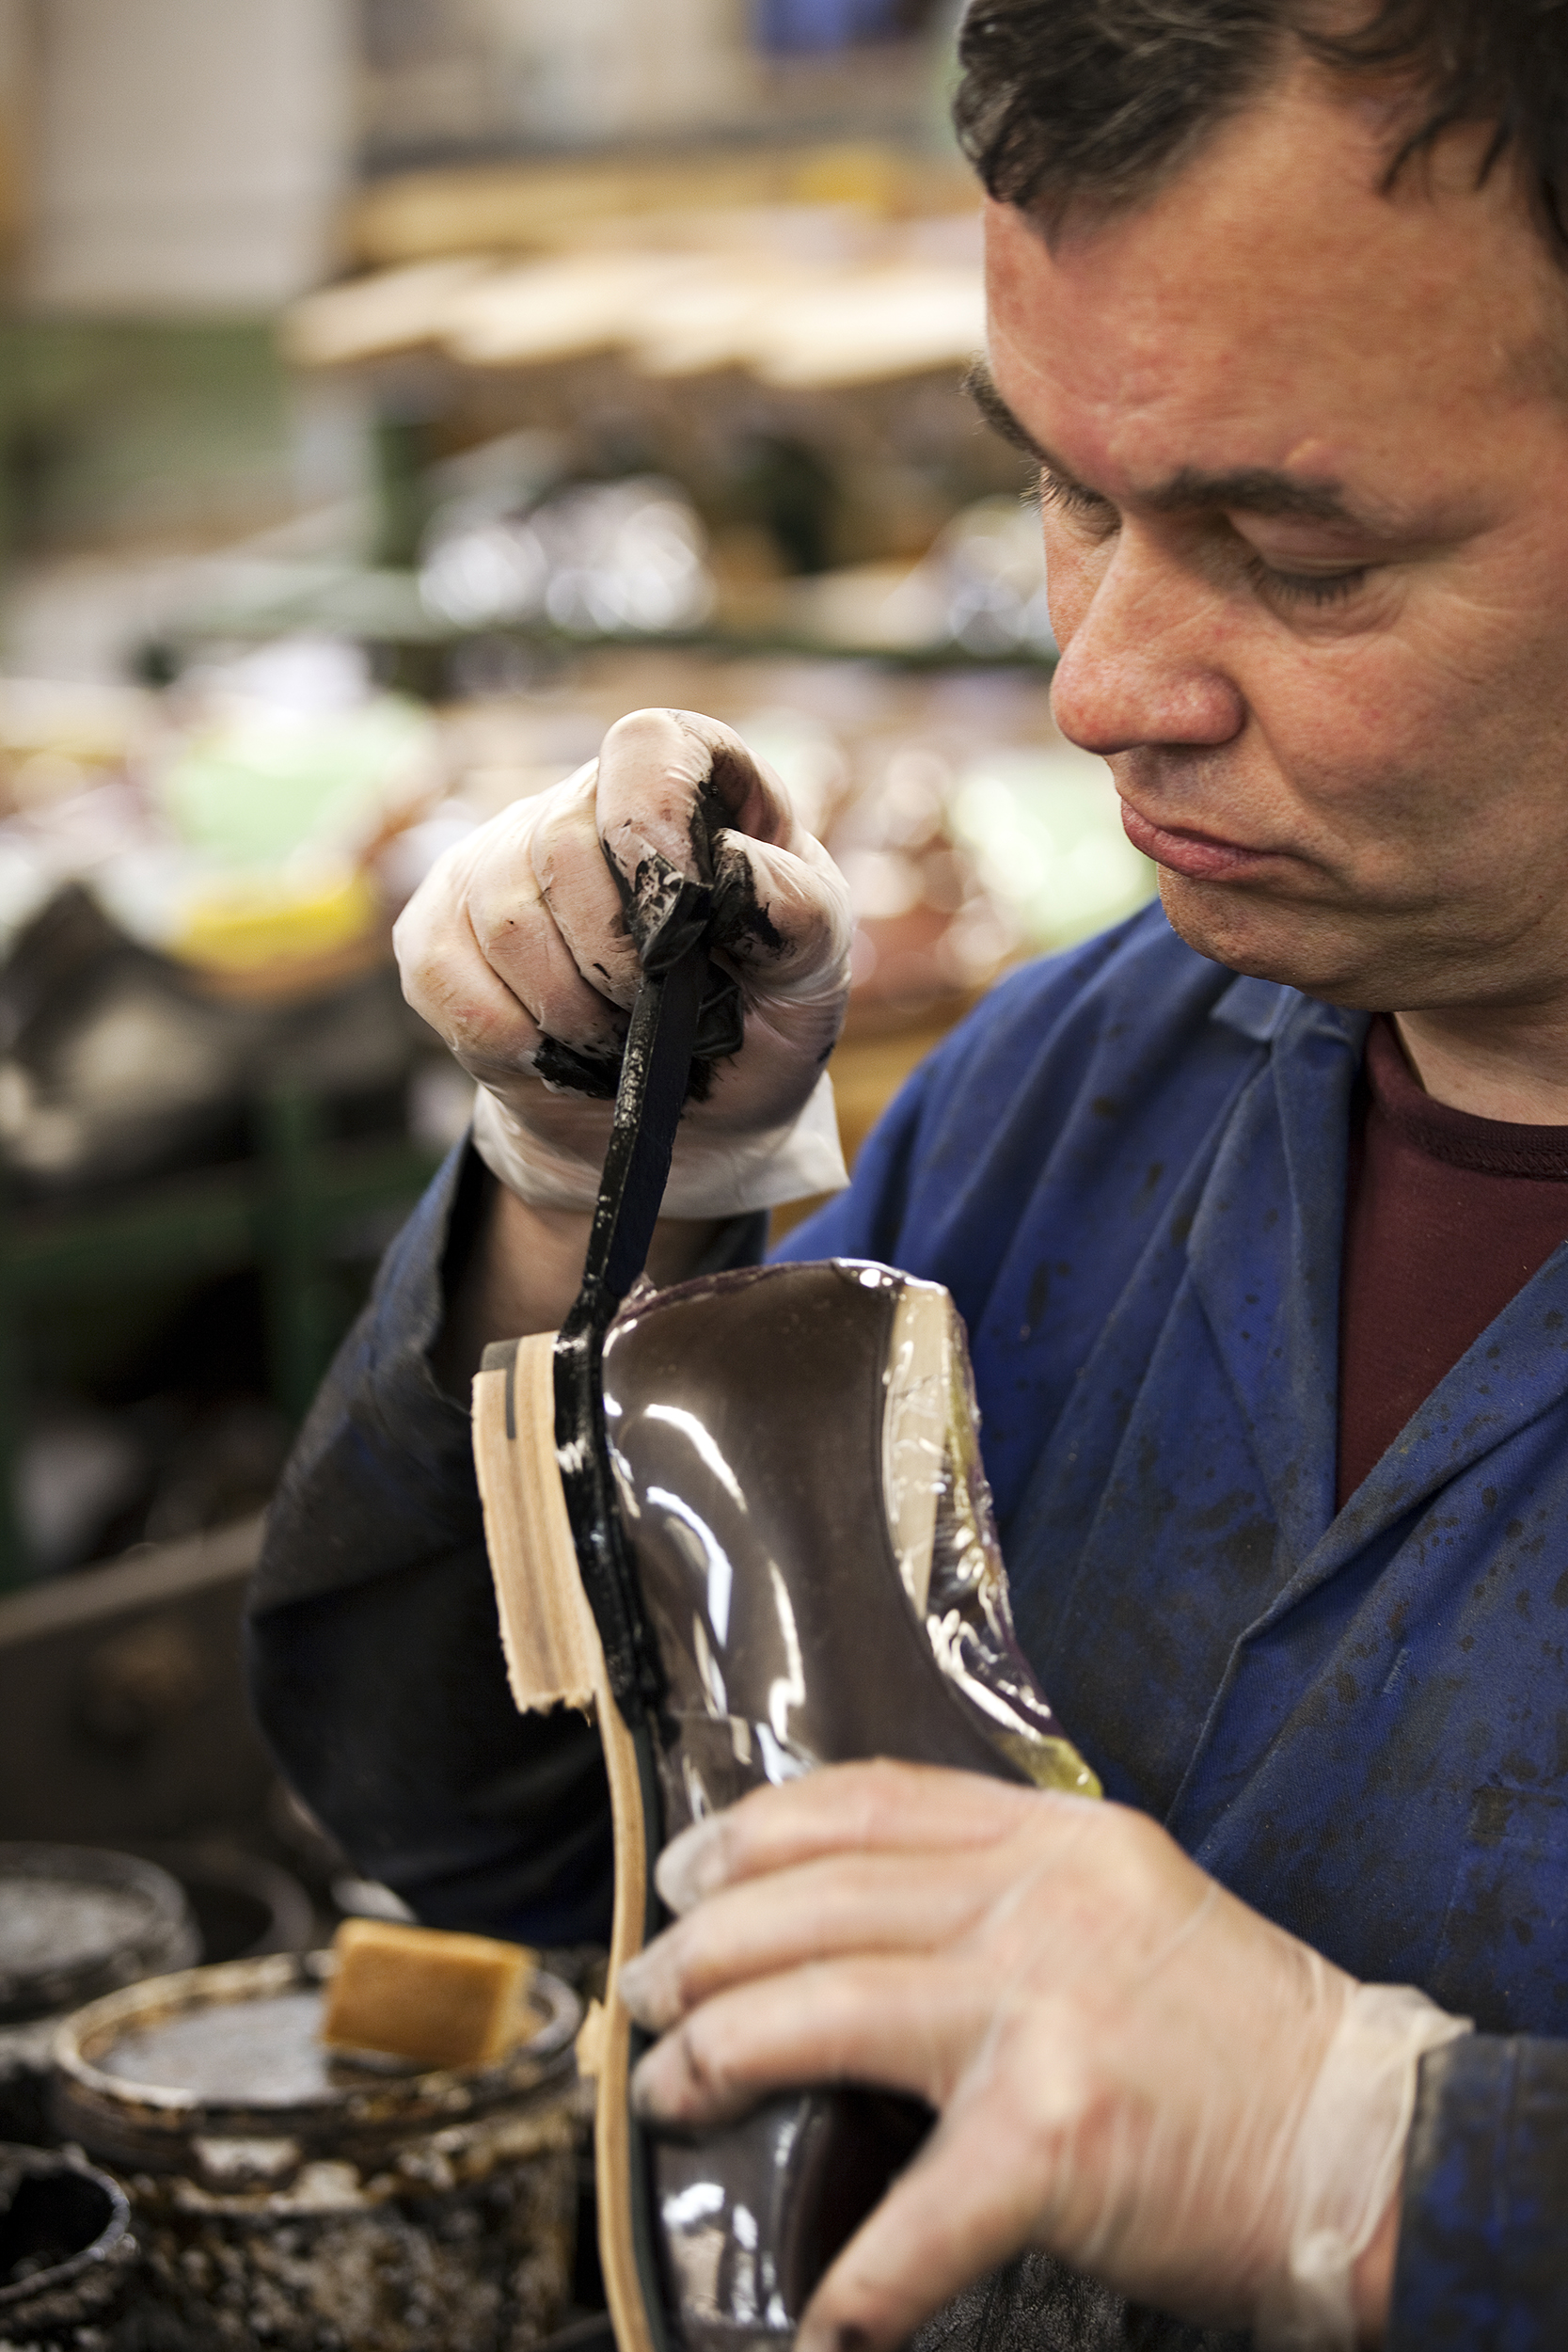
[[807, 1543], [797, 1461]]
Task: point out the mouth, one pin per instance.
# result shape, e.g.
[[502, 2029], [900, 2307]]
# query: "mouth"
[[1203, 856]]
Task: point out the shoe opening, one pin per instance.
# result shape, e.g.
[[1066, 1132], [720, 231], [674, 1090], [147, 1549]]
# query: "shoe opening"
[[943, 1531]]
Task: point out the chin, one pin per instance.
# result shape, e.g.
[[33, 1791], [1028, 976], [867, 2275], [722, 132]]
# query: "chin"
[[1304, 947]]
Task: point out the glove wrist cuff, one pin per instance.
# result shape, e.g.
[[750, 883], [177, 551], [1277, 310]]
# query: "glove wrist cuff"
[[1345, 2166], [712, 1174]]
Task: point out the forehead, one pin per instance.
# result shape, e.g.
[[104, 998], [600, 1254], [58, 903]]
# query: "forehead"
[[1275, 306]]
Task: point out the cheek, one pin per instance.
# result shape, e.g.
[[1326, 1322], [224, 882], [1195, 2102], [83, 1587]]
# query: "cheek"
[[1334, 712], [1380, 725]]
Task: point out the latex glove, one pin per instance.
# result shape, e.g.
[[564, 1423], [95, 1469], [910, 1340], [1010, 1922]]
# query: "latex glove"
[[520, 948], [1130, 2068]]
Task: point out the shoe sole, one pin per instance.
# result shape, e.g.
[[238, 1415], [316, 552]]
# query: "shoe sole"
[[554, 1657]]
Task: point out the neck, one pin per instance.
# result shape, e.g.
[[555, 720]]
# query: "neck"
[[1505, 1062]]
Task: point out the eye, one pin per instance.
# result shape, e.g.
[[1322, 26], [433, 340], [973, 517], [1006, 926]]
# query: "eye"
[[1072, 498], [1318, 589]]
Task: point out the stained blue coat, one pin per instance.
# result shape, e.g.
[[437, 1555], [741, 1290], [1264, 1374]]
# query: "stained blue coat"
[[1128, 1168]]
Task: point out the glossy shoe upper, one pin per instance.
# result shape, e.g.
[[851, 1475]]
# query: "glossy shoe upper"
[[797, 1464]]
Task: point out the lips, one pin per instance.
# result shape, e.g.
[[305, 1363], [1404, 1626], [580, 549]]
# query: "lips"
[[1198, 855]]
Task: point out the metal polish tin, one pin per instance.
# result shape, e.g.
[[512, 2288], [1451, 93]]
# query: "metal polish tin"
[[283, 2193]]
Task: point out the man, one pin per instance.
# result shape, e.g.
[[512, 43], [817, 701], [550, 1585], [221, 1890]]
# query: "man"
[[1262, 1273]]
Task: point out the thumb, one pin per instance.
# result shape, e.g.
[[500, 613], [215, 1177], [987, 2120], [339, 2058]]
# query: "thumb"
[[671, 780], [680, 799]]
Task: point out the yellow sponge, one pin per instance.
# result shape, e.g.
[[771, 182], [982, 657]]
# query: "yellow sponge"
[[419, 1992]]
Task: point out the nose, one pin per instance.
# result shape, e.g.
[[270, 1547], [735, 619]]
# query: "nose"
[[1141, 666]]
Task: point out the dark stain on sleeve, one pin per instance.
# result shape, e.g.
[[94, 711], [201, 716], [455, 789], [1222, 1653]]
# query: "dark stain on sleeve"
[[1219, 1514], [1490, 1810]]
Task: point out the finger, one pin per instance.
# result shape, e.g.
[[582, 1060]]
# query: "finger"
[[861, 1903], [579, 891], [970, 2200], [669, 779], [498, 889], [673, 783], [519, 939], [783, 914], [450, 983], [845, 1808], [898, 2022]]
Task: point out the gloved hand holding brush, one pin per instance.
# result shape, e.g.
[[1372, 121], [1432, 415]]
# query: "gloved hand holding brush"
[[522, 949]]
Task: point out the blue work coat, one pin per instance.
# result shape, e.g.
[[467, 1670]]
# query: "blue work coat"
[[1357, 1720], [1128, 1168]]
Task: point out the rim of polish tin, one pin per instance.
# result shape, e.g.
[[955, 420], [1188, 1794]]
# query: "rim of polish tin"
[[111, 2111]]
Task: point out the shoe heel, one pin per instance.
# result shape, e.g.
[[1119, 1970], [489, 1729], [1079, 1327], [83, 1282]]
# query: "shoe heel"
[[554, 1657]]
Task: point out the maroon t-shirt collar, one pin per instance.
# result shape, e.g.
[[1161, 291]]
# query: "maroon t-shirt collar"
[[1491, 1147]]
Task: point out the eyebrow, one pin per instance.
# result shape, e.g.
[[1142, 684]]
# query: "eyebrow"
[[1248, 490]]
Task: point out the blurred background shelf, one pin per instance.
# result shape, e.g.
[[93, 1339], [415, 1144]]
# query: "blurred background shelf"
[[291, 1214], [392, 394]]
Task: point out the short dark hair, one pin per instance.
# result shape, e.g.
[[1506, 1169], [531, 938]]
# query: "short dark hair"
[[1097, 101]]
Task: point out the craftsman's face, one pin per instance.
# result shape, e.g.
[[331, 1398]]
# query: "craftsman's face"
[[1306, 527]]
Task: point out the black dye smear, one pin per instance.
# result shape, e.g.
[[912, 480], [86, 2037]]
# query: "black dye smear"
[[595, 1074], [739, 914], [721, 1029], [665, 913]]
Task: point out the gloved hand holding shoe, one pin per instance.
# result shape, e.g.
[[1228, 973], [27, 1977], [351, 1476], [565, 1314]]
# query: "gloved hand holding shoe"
[[521, 950], [1130, 2068]]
